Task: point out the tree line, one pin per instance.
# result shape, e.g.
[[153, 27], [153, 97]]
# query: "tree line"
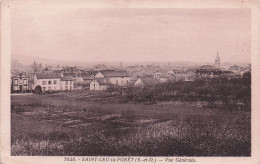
[[227, 92]]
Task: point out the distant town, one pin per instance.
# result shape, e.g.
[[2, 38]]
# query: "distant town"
[[102, 76], [130, 82]]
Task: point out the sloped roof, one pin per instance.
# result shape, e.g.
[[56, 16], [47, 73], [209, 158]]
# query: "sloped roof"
[[71, 75], [113, 73], [66, 78], [150, 81], [21, 74], [185, 75], [92, 72], [235, 67], [86, 76], [208, 71], [70, 68], [47, 75]]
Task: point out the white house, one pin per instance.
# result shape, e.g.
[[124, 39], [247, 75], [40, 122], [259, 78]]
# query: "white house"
[[98, 84], [146, 81], [162, 79], [157, 74], [53, 82], [47, 81], [76, 77], [66, 83], [120, 78]]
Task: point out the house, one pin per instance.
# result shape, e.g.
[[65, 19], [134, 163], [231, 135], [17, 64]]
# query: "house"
[[47, 81], [157, 74], [227, 73], [171, 75], [120, 78], [146, 81], [184, 76], [87, 78], [53, 81], [67, 83], [161, 76], [109, 77], [76, 77], [162, 79], [20, 82], [236, 69], [99, 84], [181, 75], [71, 70], [207, 71]]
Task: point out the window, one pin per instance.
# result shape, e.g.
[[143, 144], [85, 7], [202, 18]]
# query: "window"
[[66, 82], [70, 82], [122, 81], [117, 82], [55, 82], [126, 81], [24, 87], [66, 87], [43, 82], [43, 88], [54, 88], [94, 86], [49, 82], [49, 88], [16, 81], [24, 81]]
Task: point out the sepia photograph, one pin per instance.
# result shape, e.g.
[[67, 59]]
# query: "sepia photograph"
[[130, 82], [138, 82]]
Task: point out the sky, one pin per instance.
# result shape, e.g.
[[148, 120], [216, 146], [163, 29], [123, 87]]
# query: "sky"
[[131, 35]]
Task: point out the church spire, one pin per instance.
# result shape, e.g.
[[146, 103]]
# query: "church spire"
[[217, 61]]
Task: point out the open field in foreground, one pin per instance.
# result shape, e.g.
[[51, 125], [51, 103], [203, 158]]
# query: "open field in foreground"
[[96, 124]]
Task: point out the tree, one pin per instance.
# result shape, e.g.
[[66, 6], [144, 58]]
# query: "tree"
[[36, 67], [38, 89], [245, 93]]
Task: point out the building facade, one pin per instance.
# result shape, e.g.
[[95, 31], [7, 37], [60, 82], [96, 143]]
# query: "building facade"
[[47, 81], [20, 82], [120, 78], [66, 83], [52, 82], [98, 84]]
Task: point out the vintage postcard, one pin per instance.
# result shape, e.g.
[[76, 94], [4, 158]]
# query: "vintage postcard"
[[130, 81]]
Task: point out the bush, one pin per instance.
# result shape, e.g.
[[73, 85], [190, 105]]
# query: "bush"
[[228, 91], [38, 89]]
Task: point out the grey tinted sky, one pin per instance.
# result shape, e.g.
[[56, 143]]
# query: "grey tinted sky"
[[132, 34]]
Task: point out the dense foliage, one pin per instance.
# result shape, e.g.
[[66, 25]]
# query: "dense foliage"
[[227, 92]]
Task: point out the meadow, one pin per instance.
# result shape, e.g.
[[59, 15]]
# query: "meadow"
[[100, 123]]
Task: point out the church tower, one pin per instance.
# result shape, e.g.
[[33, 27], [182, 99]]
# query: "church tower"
[[217, 61]]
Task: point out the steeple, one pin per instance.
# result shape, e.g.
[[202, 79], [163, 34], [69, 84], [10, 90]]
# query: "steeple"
[[217, 61]]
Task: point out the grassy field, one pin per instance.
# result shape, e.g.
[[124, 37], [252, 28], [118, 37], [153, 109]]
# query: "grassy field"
[[89, 123]]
